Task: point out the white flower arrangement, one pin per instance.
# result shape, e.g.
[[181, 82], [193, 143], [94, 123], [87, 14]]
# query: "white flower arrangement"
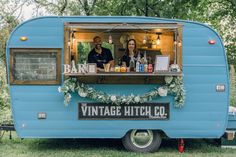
[[137, 99], [113, 98], [173, 86], [162, 91], [82, 94], [175, 68]]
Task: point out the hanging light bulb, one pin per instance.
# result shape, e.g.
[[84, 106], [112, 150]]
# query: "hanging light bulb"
[[110, 39], [158, 41], [73, 39], [179, 44], [145, 39]]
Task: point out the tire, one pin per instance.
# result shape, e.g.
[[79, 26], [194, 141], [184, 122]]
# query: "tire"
[[142, 140]]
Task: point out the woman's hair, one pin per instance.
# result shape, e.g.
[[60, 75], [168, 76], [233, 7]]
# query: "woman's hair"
[[127, 47]]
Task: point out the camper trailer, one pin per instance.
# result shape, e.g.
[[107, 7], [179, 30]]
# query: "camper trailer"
[[56, 93]]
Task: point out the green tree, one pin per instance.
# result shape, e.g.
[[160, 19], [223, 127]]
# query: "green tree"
[[9, 18]]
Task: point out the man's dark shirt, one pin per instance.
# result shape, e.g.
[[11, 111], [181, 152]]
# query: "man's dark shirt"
[[100, 59]]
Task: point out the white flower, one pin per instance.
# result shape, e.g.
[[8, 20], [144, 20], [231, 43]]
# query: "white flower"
[[168, 79], [137, 99], [69, 96], [162, 91], [123, 100], [113, 98], [174, 68], [82, 94], [59, 89]]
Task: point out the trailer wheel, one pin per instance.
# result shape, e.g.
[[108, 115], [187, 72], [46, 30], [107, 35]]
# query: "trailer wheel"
[[142, 141]]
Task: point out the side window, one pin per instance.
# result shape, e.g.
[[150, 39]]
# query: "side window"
[[35, 66]]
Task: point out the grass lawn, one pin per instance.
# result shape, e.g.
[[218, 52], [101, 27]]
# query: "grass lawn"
[[100, 148]]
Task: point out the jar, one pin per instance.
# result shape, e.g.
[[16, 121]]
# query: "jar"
[[117, 68], [122, 69]]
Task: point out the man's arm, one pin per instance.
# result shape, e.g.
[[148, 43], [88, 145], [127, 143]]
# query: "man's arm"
[[112, 63]]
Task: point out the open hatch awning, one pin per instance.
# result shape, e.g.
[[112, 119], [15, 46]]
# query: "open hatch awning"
[[153, 27]]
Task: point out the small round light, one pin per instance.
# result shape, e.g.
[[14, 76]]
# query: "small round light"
[[23, 38], [110, 39], [179, 44], [211, 42]]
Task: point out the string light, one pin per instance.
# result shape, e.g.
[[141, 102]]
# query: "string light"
[[145, 39], [110, 39], [73, 38], [179, 44], [158, 41]]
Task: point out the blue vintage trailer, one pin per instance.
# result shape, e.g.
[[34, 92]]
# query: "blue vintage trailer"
[[38, 49]]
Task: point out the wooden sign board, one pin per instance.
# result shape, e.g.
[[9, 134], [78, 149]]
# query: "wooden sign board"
[[145, 111]]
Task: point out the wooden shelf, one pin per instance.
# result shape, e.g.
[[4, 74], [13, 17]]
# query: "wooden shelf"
[[123, 78], [149, 49], [127, 74]]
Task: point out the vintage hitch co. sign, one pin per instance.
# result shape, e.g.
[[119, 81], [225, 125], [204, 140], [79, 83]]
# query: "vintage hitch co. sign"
[[155, 111]]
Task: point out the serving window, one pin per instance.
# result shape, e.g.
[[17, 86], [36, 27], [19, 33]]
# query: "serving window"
[[35, 66], [154, 40]]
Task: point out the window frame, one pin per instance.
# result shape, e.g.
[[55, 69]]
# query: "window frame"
[[36, 82], [69, 26]]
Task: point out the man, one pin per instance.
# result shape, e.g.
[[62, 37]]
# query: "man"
[[100, 55]]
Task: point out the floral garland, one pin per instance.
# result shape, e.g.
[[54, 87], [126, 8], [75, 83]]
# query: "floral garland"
[[173, 86]]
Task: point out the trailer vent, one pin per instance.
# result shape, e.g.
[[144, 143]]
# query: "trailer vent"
[[220, 88], [42, 115]]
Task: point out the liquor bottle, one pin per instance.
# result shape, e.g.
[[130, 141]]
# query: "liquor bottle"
[[138, 63], [141, 67], [132, 64], [150, 68], [145, 62], [137, 66]]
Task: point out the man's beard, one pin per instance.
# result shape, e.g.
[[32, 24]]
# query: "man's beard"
[[98, 46]]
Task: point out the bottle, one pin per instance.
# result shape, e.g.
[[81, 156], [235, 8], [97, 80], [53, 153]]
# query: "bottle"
[[132, 64], [138, 63], [141, 67], [119, 62], [145, 62], [123, 67], [150, 68], [117, 68]]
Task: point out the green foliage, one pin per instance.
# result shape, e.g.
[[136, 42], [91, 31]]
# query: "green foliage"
[[173, 86], [232, 86], [7, 23], [83, 48], [221, 15], [5, 114], [104, 148]]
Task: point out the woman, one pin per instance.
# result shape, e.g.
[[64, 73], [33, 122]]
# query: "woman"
[[130, 52]]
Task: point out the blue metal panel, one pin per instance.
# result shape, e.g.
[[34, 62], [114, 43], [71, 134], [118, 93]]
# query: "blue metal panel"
[[204, 66]]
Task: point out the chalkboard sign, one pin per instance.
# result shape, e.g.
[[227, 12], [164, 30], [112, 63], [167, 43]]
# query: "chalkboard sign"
[[35, 66]]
